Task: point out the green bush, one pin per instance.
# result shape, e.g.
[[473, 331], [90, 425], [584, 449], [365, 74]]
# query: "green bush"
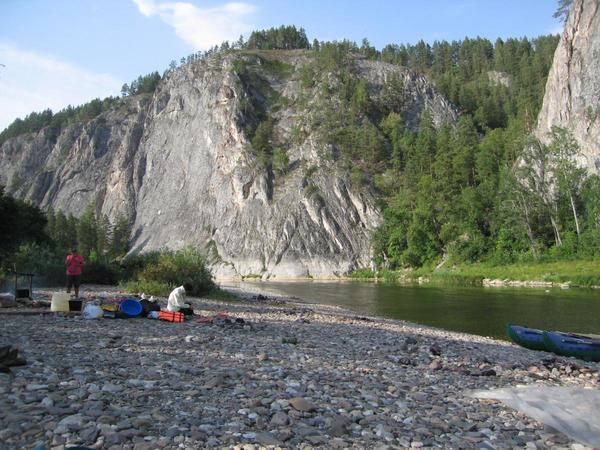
[[41, 260], [363, 273], [470, 247], [569, 248], [96, 272], [388, 275], [132, 265], [147, 287], [48, 265], [175, 268]]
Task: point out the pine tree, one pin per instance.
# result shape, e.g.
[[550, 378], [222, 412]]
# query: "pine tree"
[[119, 244], [63, 235], [87, 237], [51, 223], [563, 9], [240, 42], [103, 236]]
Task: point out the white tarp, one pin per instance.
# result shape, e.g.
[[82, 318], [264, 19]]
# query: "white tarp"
[[575, 411]]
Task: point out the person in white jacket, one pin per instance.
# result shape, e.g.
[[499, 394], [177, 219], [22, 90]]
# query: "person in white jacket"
[[177, 302]]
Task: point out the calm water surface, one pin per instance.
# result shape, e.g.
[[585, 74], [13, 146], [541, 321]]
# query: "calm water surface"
[[482, 311]]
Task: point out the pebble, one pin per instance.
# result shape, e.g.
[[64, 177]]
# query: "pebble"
[[279, 419], [301, 404], [299, 376], [112, 388], [435, 365], [36, 387]]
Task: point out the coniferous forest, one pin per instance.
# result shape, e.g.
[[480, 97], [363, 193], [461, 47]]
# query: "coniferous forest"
[[462, 193]]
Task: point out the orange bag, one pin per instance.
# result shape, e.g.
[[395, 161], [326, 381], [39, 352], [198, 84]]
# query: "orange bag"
[[170, 316]]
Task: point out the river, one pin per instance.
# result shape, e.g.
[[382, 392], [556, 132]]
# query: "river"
[[475, 310]]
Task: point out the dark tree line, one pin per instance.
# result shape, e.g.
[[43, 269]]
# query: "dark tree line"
[[21, 222], [34, 241], [35, 121]]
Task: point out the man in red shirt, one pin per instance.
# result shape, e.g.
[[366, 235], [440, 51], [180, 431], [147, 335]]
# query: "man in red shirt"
[[74, 263]]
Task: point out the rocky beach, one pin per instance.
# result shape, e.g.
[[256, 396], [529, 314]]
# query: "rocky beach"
[[274, 373]]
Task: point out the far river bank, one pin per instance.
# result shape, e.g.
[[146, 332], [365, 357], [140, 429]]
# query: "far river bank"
[[563, 274]]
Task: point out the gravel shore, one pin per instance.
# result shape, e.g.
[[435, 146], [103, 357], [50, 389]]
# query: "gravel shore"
[[289, 375]]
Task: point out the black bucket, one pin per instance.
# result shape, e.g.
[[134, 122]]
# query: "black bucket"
[[23, 293], [75, 305]]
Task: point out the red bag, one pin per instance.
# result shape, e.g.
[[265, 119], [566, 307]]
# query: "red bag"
[[170, 316]]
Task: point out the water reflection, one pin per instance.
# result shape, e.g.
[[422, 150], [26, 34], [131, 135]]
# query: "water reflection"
[[482, 311]]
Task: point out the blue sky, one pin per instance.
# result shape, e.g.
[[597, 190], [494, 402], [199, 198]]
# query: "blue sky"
[[60, 52]]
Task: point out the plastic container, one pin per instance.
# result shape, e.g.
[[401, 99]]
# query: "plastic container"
[[75, 305], [60, 302], [171, 316], [130, 307], [91, 312]]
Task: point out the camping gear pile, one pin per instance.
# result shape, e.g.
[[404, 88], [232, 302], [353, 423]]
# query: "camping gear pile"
[[95, 306], [128, 308]]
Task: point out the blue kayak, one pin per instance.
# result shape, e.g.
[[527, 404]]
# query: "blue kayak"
[[567, 344], [564, 344], [527, 337]]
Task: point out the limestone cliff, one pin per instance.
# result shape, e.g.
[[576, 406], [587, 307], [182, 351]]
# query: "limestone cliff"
[[572, 98], [179, 164]]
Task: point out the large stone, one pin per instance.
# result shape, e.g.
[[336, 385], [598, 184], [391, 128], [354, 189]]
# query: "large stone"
[[267, 439], [301, 404], [74, 420], [89, 435], [435, 365], [111, 388], [36, 387], [112, 438], [279, 419], [339, 425]]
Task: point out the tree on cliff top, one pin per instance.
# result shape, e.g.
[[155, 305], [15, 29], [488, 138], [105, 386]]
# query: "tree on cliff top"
[[562, 11], [282, 38]]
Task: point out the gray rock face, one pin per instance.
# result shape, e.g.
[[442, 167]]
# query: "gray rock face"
[[572, 98], [500, 78], [180, 166]]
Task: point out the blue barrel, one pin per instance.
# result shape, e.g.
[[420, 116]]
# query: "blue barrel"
[[130, 307]]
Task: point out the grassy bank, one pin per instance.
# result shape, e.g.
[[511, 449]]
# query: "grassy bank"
[[581, 273]]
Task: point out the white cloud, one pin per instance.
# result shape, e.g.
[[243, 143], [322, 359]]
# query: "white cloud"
[[201, 28], [33, 82]]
